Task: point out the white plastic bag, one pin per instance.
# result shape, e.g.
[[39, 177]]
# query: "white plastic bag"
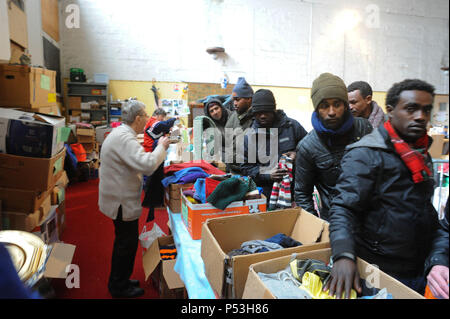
[[148, 237]]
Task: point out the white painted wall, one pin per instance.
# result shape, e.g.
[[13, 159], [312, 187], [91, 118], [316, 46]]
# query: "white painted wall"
[[270, 42]]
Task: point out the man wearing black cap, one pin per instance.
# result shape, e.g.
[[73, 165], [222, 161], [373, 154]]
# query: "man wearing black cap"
[[239, 121], [319, 154], [280, 134]]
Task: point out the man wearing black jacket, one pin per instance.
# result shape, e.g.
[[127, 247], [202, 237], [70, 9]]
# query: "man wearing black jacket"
[[319, 154], [383, 211]]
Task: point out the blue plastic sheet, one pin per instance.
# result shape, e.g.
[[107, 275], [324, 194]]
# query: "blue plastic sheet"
[[189, 264]]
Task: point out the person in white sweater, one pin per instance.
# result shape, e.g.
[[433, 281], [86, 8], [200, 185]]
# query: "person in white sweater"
[[123, 163]]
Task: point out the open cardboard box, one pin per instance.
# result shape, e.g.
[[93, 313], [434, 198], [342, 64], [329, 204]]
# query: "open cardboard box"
[[194, 215], [172, 196], [255, 288], [221, 235], [29, 172], [60, 257], [152, 261]]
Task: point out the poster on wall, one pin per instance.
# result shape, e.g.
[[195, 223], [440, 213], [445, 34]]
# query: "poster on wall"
[[175, 107]]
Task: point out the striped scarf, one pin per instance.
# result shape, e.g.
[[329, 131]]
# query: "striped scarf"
[[412, 158], [281, 198]]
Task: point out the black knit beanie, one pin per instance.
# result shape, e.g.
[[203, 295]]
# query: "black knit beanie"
[[263, 101]]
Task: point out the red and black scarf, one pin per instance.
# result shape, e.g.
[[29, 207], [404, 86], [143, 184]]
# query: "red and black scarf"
[[413, 159]]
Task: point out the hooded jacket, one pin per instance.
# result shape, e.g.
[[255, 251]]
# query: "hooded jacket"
[[380, 215], [290, 132]]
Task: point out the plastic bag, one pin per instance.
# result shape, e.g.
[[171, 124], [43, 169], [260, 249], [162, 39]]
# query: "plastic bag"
[[148, 237]]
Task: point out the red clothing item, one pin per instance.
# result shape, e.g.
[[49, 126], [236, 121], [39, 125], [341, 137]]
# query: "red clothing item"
[[208, 168], [148, 141], [412, 158]]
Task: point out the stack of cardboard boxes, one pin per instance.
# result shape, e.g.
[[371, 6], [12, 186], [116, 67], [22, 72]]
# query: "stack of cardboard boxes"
[[32, 153], [86, 137]]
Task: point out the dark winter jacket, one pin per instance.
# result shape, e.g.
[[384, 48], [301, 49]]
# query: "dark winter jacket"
[[381, 215], [318, 164], [290, 132]]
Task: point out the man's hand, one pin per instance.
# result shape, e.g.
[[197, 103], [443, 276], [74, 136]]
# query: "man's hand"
[[344, 277], [291, 154], [164, 141], [438, 281], [277, 175]]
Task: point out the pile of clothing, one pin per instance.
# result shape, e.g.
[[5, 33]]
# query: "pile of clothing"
[[211, 185], [305, 279], [276, 242], [221, 191]]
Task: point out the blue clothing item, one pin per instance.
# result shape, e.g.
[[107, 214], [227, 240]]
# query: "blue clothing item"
[[242, 88], [200, 192], [284, 241], [178, 175], [320, 128], [11, 287]]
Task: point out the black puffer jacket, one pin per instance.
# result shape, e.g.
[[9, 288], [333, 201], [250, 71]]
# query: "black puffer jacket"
[[290, 132], [319, 165], [381, 215]]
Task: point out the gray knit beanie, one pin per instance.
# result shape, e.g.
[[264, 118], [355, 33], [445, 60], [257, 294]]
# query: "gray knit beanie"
[[242, 88]]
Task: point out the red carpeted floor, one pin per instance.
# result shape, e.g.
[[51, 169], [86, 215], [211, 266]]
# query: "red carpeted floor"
[[93, 234]]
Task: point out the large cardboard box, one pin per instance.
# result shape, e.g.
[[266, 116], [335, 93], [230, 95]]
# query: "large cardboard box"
[[172, 196], [61, 218], [194, 215], [27, 87], [255, 288], [26, 221], [167, 280], [31, 134], [18, 30], [29, 172], [222, 235]]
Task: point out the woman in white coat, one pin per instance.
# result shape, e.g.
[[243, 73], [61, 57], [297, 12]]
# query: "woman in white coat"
[[123, 163]]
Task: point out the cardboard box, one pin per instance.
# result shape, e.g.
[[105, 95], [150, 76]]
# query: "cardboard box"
[[60, 257], [172, 196], [74, 102], [61, 218], [84, 139], [222, 235], [255, 288], [26, 221], [152, 261], [58, 193], [47, 229], [194, 215], [31, 134], [86, 132], [52, 110], [436, 149], [101, 132], [16, 52], [30, 173], [18, 30], [27, 87], [22, 200]]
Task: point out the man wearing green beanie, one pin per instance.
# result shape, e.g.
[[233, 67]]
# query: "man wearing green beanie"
[[319, 154]]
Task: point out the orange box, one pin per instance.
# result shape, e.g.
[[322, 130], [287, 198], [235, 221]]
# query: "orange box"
[[194, 215]]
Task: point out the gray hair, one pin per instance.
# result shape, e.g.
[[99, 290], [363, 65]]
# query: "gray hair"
[[131, 110]]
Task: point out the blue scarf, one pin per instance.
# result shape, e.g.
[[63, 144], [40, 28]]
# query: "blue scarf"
[[320, 128]]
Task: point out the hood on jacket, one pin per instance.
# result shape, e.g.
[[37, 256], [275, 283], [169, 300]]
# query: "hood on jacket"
[[225, 112]]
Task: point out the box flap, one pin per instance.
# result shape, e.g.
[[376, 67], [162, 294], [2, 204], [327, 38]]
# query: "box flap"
[[151, 259], [60, 257], [308, 228], [172, 278], [48, 118]]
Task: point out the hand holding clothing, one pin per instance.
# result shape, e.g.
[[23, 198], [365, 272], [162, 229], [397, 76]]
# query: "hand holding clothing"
[[344, 275], [278, 174], [438, 281]]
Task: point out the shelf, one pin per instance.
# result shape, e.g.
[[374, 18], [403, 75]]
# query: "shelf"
[[87, 84], [91, 95], [88, 110]]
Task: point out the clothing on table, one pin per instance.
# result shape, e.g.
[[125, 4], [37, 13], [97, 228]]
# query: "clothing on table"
[[313, 284], [259, 246], [284, 241], [203, 188], [300, 266], [228, 191], [281, 197], [207, 167], [175, 178], [282, 285]]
